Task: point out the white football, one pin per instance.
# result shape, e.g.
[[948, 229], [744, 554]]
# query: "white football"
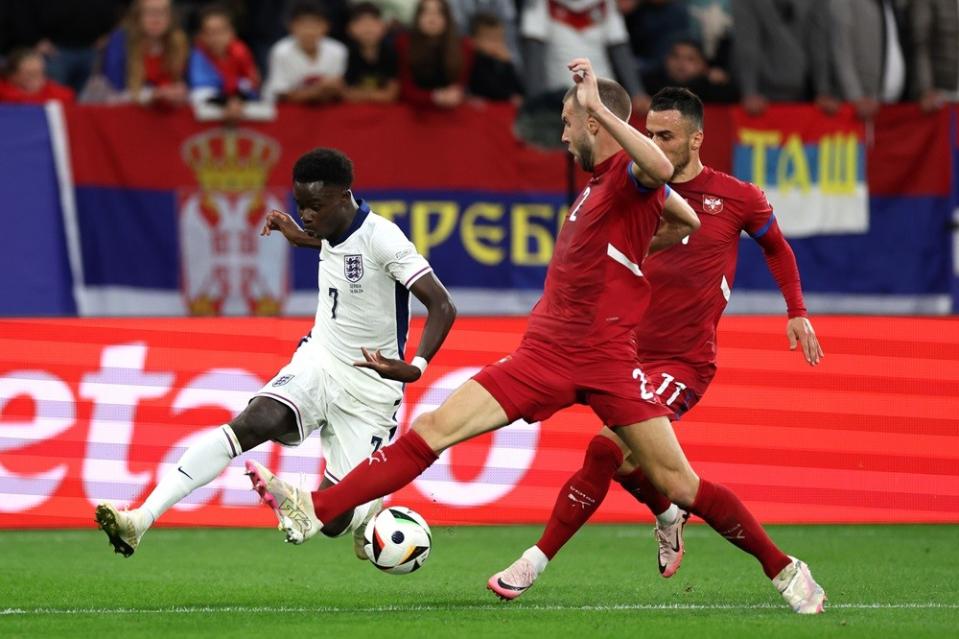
[[398, 540]]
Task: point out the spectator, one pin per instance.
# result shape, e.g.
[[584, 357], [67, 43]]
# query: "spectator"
[[556, 31], [494, 75], [935, 33], [26, 81], [653, 26], [146, 58], [371, 73], [869, 53], [505, 10], [221, 69], [686, 66], [771, 48], [819, 34], [435, 62], [711, 24], [307, 66]]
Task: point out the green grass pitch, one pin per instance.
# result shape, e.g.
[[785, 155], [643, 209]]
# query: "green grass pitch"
[[882, 581]]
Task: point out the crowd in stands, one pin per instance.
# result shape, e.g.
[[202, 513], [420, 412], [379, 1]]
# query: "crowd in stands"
[[442, 53]]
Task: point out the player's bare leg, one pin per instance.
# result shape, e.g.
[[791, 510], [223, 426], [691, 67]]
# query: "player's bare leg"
[[468, 412], [655, 449], [262, 420]]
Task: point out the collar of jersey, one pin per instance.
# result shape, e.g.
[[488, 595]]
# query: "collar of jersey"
[[362, 210], [605, 165]]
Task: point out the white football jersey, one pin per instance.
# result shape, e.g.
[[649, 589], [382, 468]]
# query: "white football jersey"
[[364, 301]]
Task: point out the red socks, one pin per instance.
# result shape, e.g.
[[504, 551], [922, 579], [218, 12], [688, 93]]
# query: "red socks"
[[385, 472], [728, 516], [637, 485], [581, 495]]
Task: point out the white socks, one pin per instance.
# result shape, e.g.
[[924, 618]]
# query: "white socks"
[[536, 557], [201, 463], [669, 515]]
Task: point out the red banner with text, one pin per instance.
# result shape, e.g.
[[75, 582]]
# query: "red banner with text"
[[99, 409]]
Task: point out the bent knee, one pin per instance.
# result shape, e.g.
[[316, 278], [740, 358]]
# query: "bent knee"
[[679, 486]]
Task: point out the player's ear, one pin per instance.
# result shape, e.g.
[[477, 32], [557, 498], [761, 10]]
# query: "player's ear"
[[592, 125], [696, 141]]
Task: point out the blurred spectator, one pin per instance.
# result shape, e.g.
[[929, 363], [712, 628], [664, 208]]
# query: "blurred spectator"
[[69, 34], [371, 73], [869, 52], [494, 75], [398, 12], [556, 31], [711, 24], [221, 69], [26, 81], [505, 10], [435, 62], [686, 66], [264, 25], [820, 33], [935, 33], [307, 66], [653, 26], [771, 48], [146, 58]]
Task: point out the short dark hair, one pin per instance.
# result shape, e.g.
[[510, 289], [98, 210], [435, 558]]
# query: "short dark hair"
[[16, 58], [214, 10], [329, 166], [361, 9], [693, 43], [484, 20], [304, 8], [679, 99], [613, 96]]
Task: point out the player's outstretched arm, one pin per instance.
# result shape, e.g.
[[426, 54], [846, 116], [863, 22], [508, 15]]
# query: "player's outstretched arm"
[[280, 221], [439, 319], [679, 220], [650, 165]]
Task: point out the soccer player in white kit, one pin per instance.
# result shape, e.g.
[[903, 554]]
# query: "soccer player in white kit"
[[346, 378]]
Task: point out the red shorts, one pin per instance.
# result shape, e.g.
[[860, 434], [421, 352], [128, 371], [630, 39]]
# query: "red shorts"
[[679, 386], [538, 379]]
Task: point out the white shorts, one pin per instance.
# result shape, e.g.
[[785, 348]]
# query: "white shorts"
[[350, 430]]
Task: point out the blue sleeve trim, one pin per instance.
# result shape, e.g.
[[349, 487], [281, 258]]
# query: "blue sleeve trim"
[[632, 176], [666, 192], [758, 234]]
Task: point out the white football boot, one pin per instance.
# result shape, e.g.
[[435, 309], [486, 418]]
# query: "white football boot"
[[799, 589], [359, 533], [293, 506], [514, 581], [671, 544], [120, 527]]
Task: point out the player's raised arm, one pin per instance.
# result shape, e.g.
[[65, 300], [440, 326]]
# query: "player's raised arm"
[[650, 165], [679, 221]]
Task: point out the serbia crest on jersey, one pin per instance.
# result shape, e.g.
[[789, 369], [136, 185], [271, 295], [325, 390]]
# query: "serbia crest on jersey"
[[364, 301]]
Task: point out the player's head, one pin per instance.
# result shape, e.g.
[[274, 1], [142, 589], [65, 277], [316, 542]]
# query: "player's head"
[[675, 124], [581, 131], [321, 186]]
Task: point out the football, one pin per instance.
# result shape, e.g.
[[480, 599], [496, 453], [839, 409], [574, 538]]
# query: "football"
[[398, 540]]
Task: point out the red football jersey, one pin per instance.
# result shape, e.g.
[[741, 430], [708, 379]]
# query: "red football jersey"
[[692, 280], [597, 262]]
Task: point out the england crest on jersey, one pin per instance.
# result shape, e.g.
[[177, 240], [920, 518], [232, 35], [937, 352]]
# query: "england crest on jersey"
[[353, 267], [712, 204]]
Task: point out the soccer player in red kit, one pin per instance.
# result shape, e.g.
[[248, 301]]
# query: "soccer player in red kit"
[[580, 344], [691, 283]]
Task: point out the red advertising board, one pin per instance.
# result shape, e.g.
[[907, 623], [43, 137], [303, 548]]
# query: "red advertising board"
[[97, 409]]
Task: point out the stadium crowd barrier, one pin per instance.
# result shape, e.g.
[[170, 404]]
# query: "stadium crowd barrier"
[[94, 409]]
